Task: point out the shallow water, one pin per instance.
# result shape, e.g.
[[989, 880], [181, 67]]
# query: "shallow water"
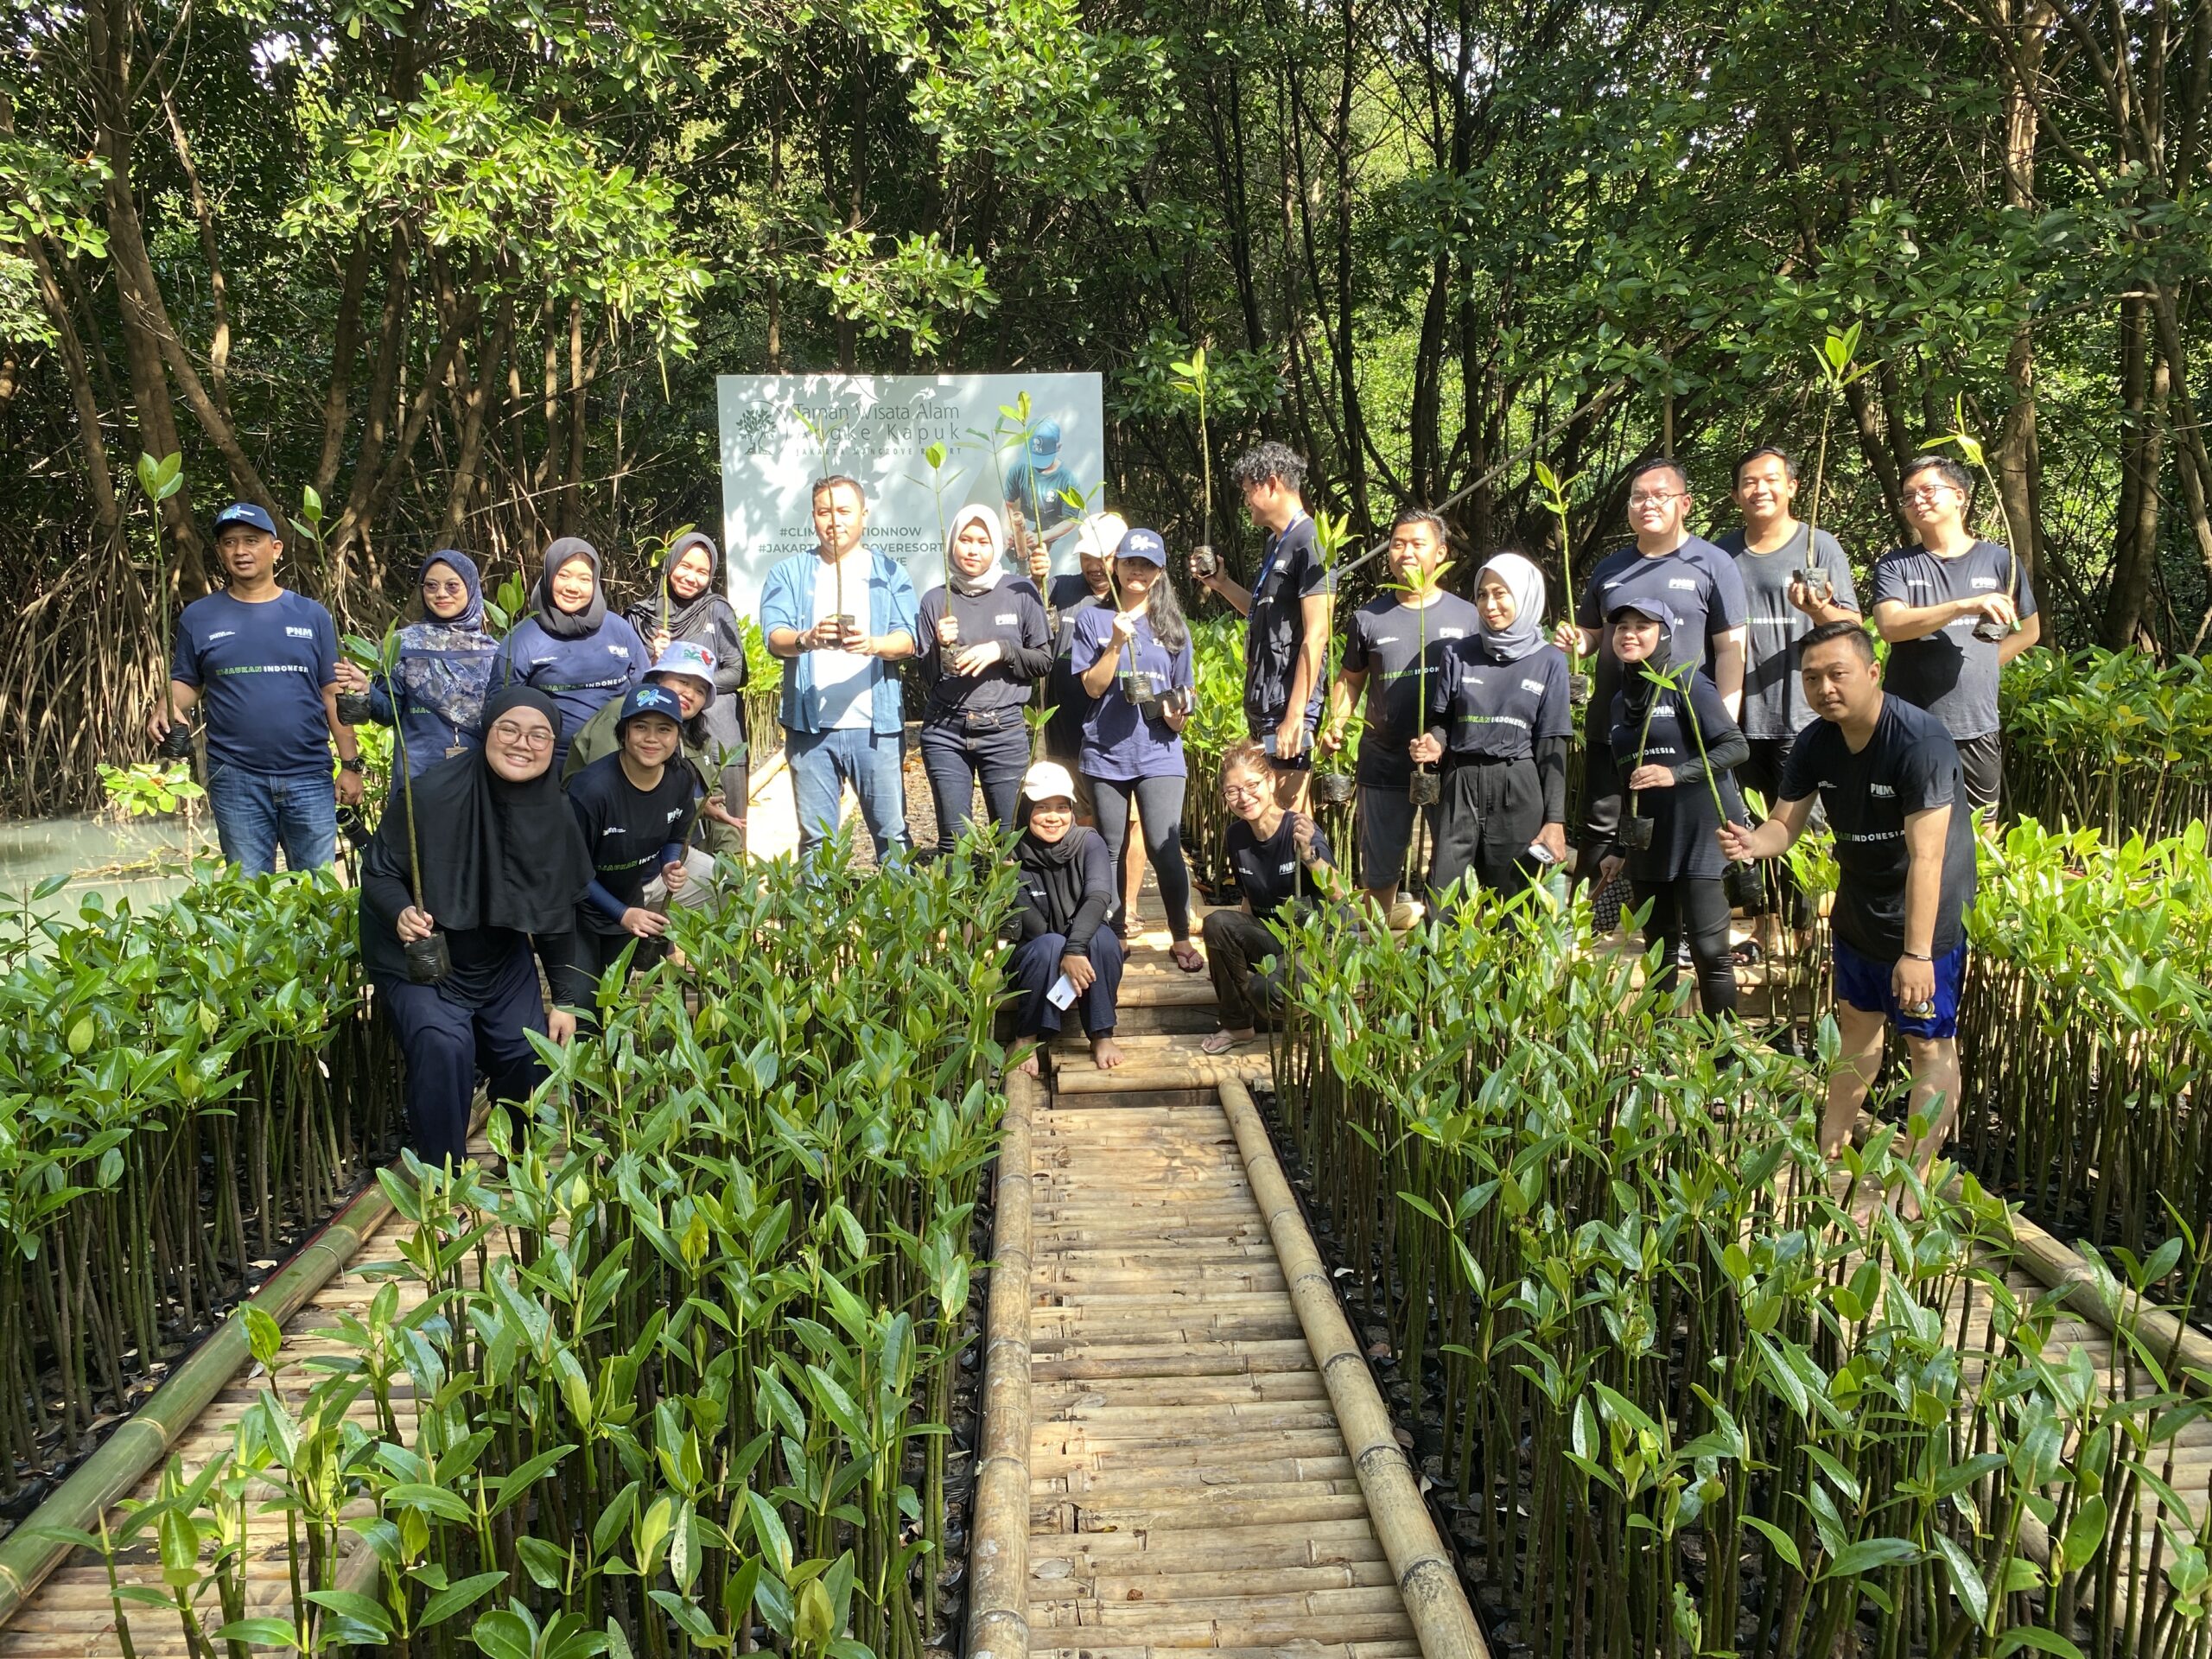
[[112, 860]]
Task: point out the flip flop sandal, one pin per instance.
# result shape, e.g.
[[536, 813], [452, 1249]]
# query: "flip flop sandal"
[[1187, 957]]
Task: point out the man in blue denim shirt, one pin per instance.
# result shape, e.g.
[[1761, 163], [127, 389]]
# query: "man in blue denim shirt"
[[842, 616]]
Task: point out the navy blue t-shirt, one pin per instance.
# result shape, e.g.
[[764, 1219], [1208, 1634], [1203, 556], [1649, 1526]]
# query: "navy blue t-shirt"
[[1290, 574], [1697, 581], [1498, 710], [260, 671], [627, 828], [1269, 873], [1120, 744]]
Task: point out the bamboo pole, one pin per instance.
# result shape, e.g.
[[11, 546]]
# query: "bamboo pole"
[[1427, 1576], [126, 1457], [998, 1558]]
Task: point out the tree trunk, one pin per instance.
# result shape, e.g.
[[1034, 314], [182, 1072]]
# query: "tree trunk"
[[2142, 453], [2015, 457]]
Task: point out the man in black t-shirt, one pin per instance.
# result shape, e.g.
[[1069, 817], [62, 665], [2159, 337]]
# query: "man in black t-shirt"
[[1287, 613], [1888, 775]]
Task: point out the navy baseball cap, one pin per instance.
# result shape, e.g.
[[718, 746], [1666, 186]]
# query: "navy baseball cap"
[[1644, 610], [1044, 442], [1144, 544], [245, 512], [649, 700]]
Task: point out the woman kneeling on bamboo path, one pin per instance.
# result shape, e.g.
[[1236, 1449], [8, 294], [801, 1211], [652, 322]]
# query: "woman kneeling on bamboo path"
[[506, 865], [1279, 858], [1499, 720], [1067, 890], [1678, 750]]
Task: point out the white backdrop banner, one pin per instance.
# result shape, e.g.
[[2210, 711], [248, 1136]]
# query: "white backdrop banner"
[[780, 433]]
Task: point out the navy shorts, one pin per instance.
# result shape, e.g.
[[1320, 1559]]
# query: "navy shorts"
[[1864, 983]]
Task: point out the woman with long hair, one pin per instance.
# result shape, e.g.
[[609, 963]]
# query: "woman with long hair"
[[1135, 662]]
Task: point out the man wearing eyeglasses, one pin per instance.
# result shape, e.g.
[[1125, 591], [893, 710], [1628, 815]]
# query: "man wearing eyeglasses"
[[1956, 609], [1691, 577]]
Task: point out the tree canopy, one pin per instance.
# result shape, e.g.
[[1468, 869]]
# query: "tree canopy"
[[463, 272]]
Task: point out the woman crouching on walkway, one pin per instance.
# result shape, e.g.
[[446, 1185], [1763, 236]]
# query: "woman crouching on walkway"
[[504, 866], [1278, 857], [1067, 888]]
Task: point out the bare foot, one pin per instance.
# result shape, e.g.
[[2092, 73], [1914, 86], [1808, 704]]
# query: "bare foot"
[[1187, 957], [1221, 1042], [1105, 1053], [1028, 1064]]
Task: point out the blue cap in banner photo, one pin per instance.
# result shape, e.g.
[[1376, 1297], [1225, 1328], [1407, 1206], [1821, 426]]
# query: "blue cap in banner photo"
[[649, 700], [1044, 442], [1143, 544], [245, 512]]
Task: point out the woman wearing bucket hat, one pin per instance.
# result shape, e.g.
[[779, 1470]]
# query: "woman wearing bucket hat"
[[1065, 954], [687, 670], [435, 693], [1500, 721], [569, 646], [1677, 747], [689, 607], [634, 807], [982, 644], [1135, 662]]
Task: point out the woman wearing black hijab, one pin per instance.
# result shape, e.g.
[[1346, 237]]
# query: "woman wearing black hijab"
[[1676, 746], [569, 647], [1064, 955], [503, 865], [690, 608]]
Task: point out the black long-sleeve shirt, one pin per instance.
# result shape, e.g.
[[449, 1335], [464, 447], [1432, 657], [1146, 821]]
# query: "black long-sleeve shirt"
[[1066, 896], [1010, 616]]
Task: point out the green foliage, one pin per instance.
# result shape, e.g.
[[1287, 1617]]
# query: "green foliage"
[[1685, 1381], [2109, 739], [151, 789], [222, 1039], [685, 1365]]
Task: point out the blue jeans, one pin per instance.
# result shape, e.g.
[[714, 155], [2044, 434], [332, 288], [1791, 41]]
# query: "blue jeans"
[[822, 763], [255, 813]]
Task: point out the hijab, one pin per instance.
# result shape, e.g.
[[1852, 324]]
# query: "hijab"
[[1637, 689], [1525, 635], [1032, 852], [962, 583], [495, 853], [570, 625], [444, 666], [683, 613]]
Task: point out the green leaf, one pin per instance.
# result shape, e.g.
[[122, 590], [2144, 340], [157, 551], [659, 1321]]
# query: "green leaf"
[[502, 1635], [260, 1633], [1967, 1583], [451, 1600], [2034, 1635], [265, 1338], [1868, 1555], [1784, 1546]]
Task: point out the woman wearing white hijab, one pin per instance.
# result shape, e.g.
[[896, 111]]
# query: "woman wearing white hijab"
[[1499, 720], [983, 643]]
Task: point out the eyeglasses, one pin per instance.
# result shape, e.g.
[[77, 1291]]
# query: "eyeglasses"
[[1655, 498], [527, 737], [445, 589], [1244, 792], [1930, 492]]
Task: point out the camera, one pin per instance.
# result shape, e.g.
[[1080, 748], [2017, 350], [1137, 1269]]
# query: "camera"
[[1636, 833], [1180, 701]]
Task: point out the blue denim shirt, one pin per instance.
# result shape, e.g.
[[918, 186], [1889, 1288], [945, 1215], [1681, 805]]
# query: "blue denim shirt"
[[787, 601]]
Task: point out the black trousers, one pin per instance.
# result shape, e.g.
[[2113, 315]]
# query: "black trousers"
[[957, 750], [1036, 966], [1491, 811], [1160, 809], [447, 1044], [1695, 907], [1235, 946]]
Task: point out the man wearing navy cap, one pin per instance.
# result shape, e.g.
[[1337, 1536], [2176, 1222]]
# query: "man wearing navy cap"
[[264, 663], [1035, 491]]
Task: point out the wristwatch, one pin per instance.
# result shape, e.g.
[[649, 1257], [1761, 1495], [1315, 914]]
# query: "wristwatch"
[[352, 763]]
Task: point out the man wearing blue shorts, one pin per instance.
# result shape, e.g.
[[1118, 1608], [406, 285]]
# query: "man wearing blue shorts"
[[1889, 777]]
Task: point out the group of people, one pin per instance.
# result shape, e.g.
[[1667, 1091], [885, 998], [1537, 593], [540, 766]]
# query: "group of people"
[[1698, 670]]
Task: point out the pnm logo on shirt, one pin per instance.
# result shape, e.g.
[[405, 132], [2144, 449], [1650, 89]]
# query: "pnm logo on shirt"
[[1451, 634], [1005, 619], [1536, 686], [1982, 581], [1881, 792], [291, 632], [221, 633], [1687, 584]]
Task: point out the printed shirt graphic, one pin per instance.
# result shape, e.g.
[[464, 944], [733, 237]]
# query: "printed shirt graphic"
[[1497, 710], [260, 670], [1950, 673], [1268, 872], [1909, 764], [1384, 642]]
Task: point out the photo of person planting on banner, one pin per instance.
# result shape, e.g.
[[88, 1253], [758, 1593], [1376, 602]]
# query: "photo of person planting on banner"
[[1038, 508]]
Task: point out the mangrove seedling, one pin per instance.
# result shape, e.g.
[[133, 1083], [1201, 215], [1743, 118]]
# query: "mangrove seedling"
[[1192, 379], [160, 479], [1834, 359], [1969, 448], [1553, 489]]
